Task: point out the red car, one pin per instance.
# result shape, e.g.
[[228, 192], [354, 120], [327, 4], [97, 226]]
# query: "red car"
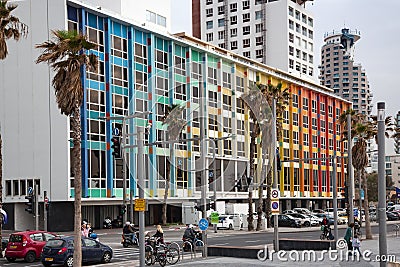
[[27, 245]]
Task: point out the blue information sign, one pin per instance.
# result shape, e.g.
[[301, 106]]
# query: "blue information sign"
[[203, 224]]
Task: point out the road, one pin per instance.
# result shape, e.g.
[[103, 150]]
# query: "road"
[[112, 238]]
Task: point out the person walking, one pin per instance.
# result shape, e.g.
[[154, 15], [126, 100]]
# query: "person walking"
[[348, 237], [84, 230], [356, 244]]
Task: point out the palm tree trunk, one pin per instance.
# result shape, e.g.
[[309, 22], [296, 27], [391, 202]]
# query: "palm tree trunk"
[[167, 181], [1, 193], [259, 206], [76, 156], [368, 230]]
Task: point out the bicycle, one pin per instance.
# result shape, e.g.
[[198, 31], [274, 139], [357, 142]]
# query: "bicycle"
[[357, 230], [326, 233], [161, 253]]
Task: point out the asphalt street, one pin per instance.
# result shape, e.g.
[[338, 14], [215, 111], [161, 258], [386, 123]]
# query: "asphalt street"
[[112, 237]]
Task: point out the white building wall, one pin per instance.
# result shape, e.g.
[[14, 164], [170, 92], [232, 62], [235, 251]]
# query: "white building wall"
[[136, 10], [35, 134]]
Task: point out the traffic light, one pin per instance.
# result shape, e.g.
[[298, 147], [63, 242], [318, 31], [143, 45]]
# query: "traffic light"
[[30, 205], [122, 209], [210, 176], [116, 146], [212, 205]]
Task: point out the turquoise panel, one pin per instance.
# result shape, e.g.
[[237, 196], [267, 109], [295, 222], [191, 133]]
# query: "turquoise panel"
[[92, 20], [116, 29]]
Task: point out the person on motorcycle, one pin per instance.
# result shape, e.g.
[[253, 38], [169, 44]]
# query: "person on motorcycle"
[[128, 231]]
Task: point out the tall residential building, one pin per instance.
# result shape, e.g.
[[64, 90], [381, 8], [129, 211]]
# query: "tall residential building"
[[142, 70], [392, 169], [277, 33], [339, 71], [397, 140]]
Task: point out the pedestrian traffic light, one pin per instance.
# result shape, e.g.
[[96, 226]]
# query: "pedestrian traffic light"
[[116, 146], [30, 205]]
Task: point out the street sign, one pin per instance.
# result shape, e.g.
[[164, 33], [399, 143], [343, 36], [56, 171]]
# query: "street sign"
[[211, 173], [275, 193], [203, 224], [30, 190], [140, 204], [116, 132], [275, 207], [214, 217]]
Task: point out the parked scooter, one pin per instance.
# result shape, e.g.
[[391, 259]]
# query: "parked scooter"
[[117, 223], [107, 223]]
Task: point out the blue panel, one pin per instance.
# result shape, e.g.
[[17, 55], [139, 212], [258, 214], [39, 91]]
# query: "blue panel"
[[72, 13], [93, 84], [139, 37], [92, 20], [117, 61], [124, 31], [84, 125], [116, 29], [101, 23]]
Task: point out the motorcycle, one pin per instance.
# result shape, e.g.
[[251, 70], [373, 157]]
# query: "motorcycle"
[[107, 223], [117, 223], [129, 241]]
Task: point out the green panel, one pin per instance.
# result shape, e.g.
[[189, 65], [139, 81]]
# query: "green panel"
[[118, 192], [95, 145], [139, 67], [117, 90], [162, 151], [195, 56], [180, 78], [141, 122], [94, 114], [159, 44], [94, 192], [141, 94], [72, 192], [211, 59], [162, 73], [162, 99]]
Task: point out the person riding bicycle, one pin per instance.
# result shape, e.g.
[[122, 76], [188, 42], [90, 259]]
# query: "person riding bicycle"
[[159, 235], [325, 224]]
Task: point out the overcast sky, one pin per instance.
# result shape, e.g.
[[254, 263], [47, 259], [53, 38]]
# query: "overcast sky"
[[378, 50]]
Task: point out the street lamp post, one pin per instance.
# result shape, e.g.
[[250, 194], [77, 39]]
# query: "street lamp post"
[[381, 182], [350, 182], [140, 179], [275, 172]]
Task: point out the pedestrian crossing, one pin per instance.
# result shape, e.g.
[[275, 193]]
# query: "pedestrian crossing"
[[125, 254]]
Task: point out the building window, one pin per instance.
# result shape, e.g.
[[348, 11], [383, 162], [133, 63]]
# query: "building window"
[[119, 76], [314, 106], [221, 35], [246, 54], [246, 43], [209, 24], [212, 75], [295, 137], [246, 4], [291, 63], [226, 103], [233, 32], [246, 30], [226, 80], [305, 103], [233, 20], [314, 123], [119, 47], [291, 37], [295, 101], [234, 45], [259, 40], [295, 119], [258, 15], [286, 117], [209, 12], [259, 27], [291, 50], [161, 59], [233, 7], [209, 2], [246, 17], [221, 10], [291, 24], [259, 53], [209, 37], [305, 139], [221, 22]]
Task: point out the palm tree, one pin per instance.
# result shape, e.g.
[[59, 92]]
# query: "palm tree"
[[363, 130], [10, 27], [67, 56], [173, 118], [282, 98]]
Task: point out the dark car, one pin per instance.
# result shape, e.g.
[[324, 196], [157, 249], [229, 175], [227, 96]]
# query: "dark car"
[[60, 250], [26, 245], [391, 216], [286, 220]]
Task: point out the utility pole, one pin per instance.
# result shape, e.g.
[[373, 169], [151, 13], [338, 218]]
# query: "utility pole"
[[275, 172], [203, 165], [140, 179], [215, 184], [36, 203], [350, 182], [335, 214], [381, 182]]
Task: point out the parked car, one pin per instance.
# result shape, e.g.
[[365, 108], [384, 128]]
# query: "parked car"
[[342, 219], [392, 216], [316, 218], [318, 211], [60, 250], [288, 212], [304, 219], [302, 211], [225, 221], [287, 220], [27, 245]]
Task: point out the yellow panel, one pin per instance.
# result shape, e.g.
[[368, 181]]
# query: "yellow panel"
[[226, 91], [196, 131]]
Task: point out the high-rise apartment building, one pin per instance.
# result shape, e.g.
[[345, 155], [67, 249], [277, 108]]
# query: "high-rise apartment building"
[[397, 140], [339, 71], [277, 33]]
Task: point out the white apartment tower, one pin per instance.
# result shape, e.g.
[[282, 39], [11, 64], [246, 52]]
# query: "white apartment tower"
[[278, 33]]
